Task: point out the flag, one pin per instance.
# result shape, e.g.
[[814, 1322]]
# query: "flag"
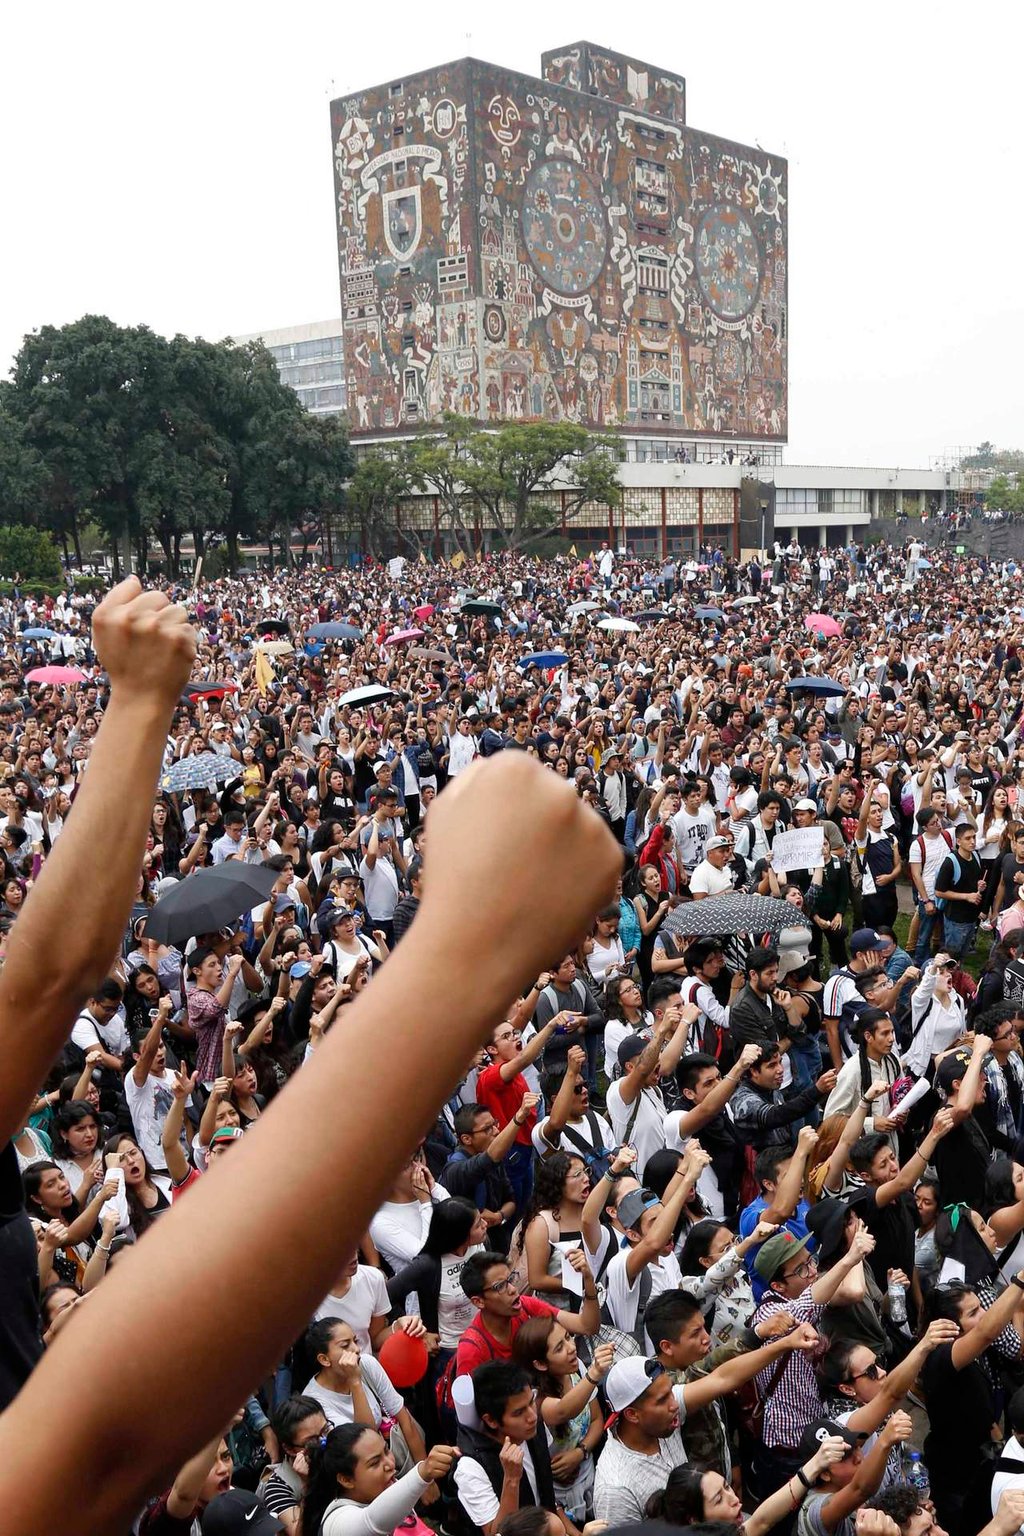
[[572, 551], [479, 554], [423, 561], [458, 560], [264, 671]]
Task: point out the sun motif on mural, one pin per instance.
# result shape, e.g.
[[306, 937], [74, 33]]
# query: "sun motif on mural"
[[769, 193], [564, 226], [728, 263]]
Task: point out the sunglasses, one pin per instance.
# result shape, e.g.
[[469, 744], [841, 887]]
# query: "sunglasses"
[[873, 1373]]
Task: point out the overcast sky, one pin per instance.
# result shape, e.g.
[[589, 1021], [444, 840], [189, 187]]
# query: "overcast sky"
[[172, 165]]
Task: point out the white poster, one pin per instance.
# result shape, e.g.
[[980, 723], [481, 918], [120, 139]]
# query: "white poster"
[[800, 849], [396, 567]]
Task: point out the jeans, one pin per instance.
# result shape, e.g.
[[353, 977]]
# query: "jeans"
[[959, 937], [519, 1167], [806, 1066], [926, 923]]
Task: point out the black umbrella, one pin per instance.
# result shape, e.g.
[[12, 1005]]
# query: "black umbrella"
[[272, 627], [824, 687], [481, 605], [732, 913], [217, 690], [334, 631], [651, 615], [209, 899]]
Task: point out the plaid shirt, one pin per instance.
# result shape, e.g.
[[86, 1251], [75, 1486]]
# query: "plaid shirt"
[[790, 1395], [1008, 1123]]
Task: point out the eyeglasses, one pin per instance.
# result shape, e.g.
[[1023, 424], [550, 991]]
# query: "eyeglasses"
[[579, 1088], [873, 1373], [802, 1271], [496, 1289]]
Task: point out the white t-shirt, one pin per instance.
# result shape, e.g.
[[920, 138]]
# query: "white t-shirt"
[[400, 1228], [112, 1034], [935, 850], [648, 1131], [692, 833], [455, 1311], [707, 1183], [366, 1297], [383, 1400], [624, 1298], [148, 1107], [477, 1496], [708, 881], [581, 1128]]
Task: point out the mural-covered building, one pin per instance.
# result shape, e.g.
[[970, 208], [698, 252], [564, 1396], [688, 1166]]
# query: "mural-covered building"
[[564, 248]]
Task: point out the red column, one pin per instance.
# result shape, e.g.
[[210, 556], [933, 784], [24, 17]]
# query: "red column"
[[700, 516], [736, 524], [664, 523]]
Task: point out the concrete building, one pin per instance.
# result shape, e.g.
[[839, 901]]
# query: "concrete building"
[[310, 360], [559, 247]]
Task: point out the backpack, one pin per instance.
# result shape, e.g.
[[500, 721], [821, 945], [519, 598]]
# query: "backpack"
[[923, 850], [596, 1156], [940, 901]]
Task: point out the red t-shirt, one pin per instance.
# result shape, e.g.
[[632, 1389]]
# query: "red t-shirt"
[[503, 1099], [192, 1177], [478, 1344]]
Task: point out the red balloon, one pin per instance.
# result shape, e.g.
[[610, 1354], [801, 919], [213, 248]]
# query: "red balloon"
[[404, 1359]]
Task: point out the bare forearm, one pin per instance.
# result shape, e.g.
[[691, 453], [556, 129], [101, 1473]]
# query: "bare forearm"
[[38, 1004]]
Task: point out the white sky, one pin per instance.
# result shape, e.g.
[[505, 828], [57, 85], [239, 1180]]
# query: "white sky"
[[172, 165]]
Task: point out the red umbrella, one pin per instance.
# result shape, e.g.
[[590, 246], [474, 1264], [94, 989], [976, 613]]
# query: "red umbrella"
[[822, 624], [401, 636], [424, 611], [60, 676]]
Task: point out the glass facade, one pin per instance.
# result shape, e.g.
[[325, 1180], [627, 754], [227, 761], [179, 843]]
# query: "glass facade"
[[315, 370], [820, 503]]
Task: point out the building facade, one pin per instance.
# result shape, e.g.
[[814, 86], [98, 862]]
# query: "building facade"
[[310, 360], [563, 248]]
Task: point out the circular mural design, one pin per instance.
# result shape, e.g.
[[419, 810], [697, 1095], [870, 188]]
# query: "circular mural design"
[[728, 262], [768, 194], [564, 226]]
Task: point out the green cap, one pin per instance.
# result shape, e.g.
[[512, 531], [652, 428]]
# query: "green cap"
[[778, 1250]]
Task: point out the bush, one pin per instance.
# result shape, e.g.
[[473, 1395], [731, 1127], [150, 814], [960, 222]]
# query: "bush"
[[30, 555]]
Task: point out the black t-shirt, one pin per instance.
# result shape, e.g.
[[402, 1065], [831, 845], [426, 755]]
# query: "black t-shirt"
[[961, 1159], [965, 884], [892, 1226], [1007, 869], [20, 1339], [961, 1410]]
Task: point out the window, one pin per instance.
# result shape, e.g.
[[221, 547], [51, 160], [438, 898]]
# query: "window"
[[396, 89]]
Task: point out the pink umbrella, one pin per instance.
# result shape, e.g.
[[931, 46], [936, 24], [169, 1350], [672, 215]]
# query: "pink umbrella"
[[424, 611], [400, 636], [59, 676], [822, 624]]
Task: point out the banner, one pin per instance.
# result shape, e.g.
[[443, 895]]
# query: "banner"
[[264, 670], [458, 560], [800, 849]]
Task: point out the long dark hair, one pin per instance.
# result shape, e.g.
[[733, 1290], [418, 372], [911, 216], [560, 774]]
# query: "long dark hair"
[[31, 1180], [330, 1458], [141, 1217], [529, 1346], [548, 1188], [68, 1115], [698, 1245], [451, 1222], [681, 1501]]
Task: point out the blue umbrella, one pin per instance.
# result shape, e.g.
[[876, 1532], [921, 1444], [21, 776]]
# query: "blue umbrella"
[[334, 632], [708, 613], [824, 687], [924, 565], [39, 634], [543, 659]]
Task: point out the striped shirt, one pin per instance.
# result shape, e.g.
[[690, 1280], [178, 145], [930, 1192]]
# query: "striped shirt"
[[791, 1396]]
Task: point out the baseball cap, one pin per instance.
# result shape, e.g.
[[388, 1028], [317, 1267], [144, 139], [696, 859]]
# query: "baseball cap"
[[299, 969], [226, 1133], [805, 805], [951, 1069], [632, 1206], [629, 1379], [630, 1048], [792, 960], [810, 1440], [282, 903], [778, 1250], [238, 1513], [718, 842], [864, 938]]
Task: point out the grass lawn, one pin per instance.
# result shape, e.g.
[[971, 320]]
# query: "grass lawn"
[[975, 962]]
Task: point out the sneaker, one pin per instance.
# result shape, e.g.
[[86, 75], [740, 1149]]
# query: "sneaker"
[[985, 925]]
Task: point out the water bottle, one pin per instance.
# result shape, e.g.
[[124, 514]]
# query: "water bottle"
[[916, 1476], [898, 1305]]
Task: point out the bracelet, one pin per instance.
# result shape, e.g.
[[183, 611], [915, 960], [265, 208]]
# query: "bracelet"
[[804, 1479], [1016, 1280], [593, 1383], [102, 1247]]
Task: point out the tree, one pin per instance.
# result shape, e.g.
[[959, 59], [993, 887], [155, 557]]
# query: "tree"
[[24, 481], [505, 470], [1005, 494], [437, 463], [304, 463], [379, 481], [30, 555]]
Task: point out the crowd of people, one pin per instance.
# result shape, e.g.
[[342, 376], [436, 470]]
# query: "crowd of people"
[[645, 1213]]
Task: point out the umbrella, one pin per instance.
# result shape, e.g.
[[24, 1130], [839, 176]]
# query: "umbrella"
[[205, 901], [334, 632], [824, 687], [575, 609], [543, 659], [370, 693], [482, 605], [212, 690], [924, 565], [732, 913], [708, 613], [424, 611], [823, 624], [272, 627], [39, 634], [428, 653], [201, 771], [400, 636], [59, 675], [276, 647], [652, 615], [744, 602], [619, 626]]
